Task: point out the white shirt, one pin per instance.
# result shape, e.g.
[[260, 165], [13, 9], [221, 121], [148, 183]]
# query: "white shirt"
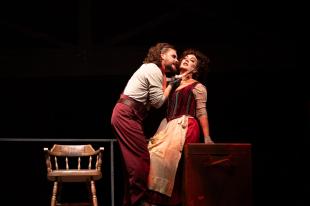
[[145, 85]]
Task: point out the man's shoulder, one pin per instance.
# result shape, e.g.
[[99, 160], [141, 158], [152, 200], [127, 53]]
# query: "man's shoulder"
[[149, 65], [149, 68]]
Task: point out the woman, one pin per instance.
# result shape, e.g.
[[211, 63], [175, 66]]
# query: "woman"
[[146, 88], [186, 117]]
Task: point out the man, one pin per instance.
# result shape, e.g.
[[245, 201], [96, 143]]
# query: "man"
[[145, 89]]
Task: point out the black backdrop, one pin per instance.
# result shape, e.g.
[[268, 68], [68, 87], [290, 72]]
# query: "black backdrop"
[[63, 65]]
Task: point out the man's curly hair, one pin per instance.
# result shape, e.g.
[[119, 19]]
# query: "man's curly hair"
[[154, 52]]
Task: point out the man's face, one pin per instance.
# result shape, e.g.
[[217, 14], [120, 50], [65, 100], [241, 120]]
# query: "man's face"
[[170, 60]]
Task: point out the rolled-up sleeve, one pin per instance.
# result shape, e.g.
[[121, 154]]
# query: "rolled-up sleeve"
[[200, 93]]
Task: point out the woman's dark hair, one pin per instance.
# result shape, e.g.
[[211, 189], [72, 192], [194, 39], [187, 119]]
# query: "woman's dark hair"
[[154, 52], [202, 62]]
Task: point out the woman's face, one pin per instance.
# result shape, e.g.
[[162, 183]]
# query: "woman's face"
[[189, 62]]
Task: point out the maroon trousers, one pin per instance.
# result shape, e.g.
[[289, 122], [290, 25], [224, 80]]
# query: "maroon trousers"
[[127, 124]]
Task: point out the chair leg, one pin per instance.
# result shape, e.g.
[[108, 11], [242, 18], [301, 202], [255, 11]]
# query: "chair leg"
[[55, 188], [93, 192]]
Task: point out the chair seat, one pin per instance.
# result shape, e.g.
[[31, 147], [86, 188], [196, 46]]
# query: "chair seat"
[[74, 175]]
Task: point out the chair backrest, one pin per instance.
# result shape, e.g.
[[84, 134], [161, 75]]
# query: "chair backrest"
[[80, 161]]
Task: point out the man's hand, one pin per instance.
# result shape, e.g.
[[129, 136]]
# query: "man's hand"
[[174, 82]]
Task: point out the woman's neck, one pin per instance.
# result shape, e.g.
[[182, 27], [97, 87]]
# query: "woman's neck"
[[187, 77]]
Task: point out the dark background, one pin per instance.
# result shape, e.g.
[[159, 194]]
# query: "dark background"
[[64, 63]]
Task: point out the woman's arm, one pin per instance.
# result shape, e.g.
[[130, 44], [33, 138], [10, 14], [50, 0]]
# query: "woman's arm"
[[200, 93], [204, 123]]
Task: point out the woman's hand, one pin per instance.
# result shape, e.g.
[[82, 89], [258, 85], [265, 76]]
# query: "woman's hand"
[[208, 140]]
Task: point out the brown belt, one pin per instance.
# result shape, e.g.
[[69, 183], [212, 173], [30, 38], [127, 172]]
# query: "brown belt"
[[140, 107]]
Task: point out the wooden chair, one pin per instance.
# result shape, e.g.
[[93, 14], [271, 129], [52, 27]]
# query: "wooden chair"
[[73, 163]]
